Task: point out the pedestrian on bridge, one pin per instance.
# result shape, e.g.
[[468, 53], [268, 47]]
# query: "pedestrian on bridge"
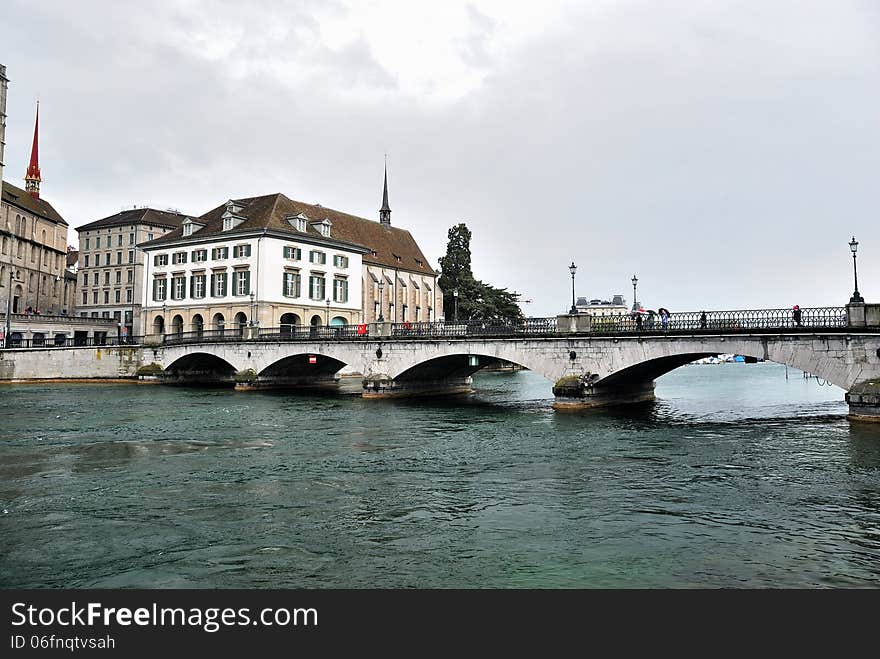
[[796, 315]]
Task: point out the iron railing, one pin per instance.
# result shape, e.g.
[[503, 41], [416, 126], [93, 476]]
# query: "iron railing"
[[700, 322], [16, 342]]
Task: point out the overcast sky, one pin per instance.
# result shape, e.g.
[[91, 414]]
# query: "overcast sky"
[[724, 151]]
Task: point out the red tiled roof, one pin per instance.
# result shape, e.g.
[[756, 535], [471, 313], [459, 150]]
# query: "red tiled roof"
[[389, 246]]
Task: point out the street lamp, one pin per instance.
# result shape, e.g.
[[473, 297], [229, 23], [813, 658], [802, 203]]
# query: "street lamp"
[[381, 301], [327, 317], [8, 307], [856, 298], [252, 310], [635, 281], [164, 320], [455, 306], [572, 269]]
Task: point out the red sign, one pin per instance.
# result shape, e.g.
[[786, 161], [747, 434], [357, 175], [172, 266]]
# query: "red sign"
[[313, 359]]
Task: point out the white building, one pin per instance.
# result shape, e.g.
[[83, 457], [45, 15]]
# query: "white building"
[[260, 261]]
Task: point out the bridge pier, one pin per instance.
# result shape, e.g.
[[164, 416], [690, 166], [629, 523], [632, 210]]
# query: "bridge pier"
[[574, 393], [864, 401], [382, 386]]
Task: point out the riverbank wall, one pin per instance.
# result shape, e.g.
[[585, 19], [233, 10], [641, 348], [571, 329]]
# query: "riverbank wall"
[[100, 362]]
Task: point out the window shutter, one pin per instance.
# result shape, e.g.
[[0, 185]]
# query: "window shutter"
[[213, 285], [155, 290], [247, 282]]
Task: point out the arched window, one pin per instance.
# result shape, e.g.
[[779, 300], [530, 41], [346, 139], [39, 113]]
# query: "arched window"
[[177, 325], [5, 245], [219, 322], [240, 323], [338, 321], [289, 322], [38, 339], [158, 325], [198, 325]]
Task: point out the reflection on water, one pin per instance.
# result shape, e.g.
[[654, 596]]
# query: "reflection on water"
[[734, 477]]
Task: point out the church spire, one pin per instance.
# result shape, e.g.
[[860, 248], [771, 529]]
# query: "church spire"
[[385, 211], [32, 178]]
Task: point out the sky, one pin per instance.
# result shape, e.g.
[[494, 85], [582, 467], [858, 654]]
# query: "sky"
[[724, 151]]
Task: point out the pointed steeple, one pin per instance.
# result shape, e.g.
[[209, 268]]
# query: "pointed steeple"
[[385, 211], [32, 178]]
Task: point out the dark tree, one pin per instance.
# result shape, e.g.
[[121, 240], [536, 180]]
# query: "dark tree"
[[476, 300]]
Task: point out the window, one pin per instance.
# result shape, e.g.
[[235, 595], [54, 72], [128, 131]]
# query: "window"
[[131, 239], [159, 259], [317, 257], [87, 242], [227, 223], [107, 258], [316, 287], [197, 286], [219, 253], [290, 284], [293, 253], [95, 297], [119, 276], [106, 278], [118, 258], [85, 279], [187, 229], [340, 261], [85, 297], [218, 284], [128, 297], [117, 316], [105, 314], [97, 242], [131, 256], [241, 251], [33, 253], [241, 282], [396, 257], [106, 297], [178, 287], [86, 263], [159, 289], [129, 277], [149, 236], [340, 290], [119, 240], [117, 296], [199, 255], [179, 257], [95, 279]]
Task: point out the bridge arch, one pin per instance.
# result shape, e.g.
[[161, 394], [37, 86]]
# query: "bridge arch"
[[200, 367], [303, 365]]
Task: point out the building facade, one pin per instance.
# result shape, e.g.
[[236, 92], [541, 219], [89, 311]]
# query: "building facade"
[[110, 265], [33, 244], [257, 261]]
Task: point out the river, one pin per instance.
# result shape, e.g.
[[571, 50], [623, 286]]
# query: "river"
[[736, 477]]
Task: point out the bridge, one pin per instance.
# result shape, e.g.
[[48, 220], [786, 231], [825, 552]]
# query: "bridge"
[[591, 360]]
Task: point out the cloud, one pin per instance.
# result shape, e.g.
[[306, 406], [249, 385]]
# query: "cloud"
[[724, 152]]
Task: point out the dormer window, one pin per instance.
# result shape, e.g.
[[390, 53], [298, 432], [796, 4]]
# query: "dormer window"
[[397, 258], [298, 221], [190, 227], [227, 223], [233, 207], [323, 227]]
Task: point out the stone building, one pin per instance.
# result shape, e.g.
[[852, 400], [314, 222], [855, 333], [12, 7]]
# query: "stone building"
[[110, 265], [33, 244]]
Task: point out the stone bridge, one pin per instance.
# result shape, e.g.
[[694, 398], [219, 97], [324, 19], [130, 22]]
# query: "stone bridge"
[[587, 369]]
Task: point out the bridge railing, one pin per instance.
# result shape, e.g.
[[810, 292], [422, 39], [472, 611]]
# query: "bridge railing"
[[70, 342], [721, 321], [526, 327], [313, 333]]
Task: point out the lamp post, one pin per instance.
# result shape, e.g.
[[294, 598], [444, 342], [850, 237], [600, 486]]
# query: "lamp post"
[[572, 269], [327, 316], [164, 320], [381, 301], [856, 298], [635, 281], [252, 310], [455, 306], [8, 307]]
